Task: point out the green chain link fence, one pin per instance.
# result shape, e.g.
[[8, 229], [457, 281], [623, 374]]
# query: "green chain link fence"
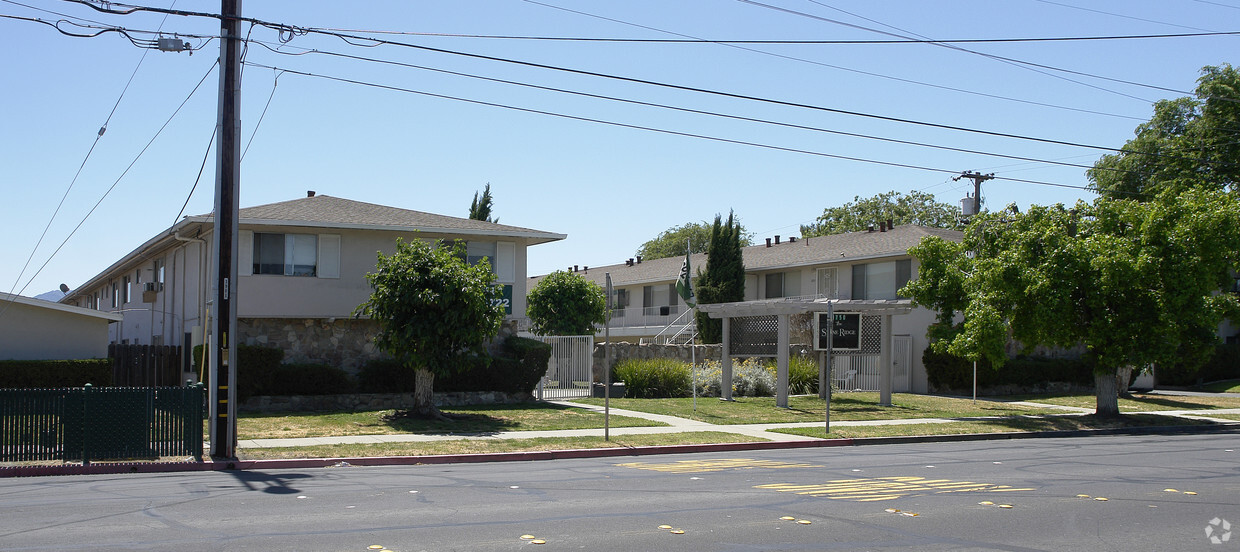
[[106, 423]]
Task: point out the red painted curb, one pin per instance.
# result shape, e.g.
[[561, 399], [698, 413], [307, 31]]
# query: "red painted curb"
[[307, 463]]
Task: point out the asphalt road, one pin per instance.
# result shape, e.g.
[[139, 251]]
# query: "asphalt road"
[[933, 496]]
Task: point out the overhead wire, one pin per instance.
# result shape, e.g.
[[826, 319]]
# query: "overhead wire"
[[1027, 65], [99, 135], [674, 108], [894, 78], [640, 127], [116, 182]]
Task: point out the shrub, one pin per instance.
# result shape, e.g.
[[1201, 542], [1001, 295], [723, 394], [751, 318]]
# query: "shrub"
[[802, 375], [523, 363], [308, 379], [46, 374], [953, 372], [654, 378], [751, 377], [1223, 364]]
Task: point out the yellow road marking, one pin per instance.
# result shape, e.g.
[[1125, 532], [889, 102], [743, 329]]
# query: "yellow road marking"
[[887, 488], [701, 466]]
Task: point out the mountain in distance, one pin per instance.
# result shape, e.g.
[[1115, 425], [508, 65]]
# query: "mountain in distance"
[[52, 296]]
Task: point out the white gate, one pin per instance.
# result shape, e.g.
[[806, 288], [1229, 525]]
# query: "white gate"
[[570, 371]]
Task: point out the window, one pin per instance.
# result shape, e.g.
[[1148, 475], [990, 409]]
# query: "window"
[[286, 254], [475, 252], [880, 280], [115, 295], [159, 273], [827, 284], [125, 291], [774, 285]]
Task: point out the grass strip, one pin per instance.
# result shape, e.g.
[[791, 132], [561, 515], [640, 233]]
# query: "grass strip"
[[1140, 402], [848, 406], [484, 446], [471, 419], [1002, 425]]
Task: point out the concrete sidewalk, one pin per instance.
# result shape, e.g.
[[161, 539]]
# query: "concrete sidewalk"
[[680, 425]]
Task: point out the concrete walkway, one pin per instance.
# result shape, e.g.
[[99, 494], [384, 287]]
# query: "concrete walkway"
[[680, 425]]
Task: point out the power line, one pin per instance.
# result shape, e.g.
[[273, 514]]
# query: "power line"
[[1027, 65], [681, 109], [641, 127], [113, 186], [840, 67], [780, 42]]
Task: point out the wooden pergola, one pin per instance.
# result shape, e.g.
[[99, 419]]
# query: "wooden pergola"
[[782, 310]]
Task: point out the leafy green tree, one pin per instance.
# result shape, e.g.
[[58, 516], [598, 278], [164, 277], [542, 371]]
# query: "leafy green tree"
[[564, 303], [480, 208], [917, 208], [672, 242], [434, 311], [1135, 283], [724, 278], [1188, 143]]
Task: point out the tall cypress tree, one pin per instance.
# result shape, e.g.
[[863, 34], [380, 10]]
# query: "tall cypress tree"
[[724, 278]]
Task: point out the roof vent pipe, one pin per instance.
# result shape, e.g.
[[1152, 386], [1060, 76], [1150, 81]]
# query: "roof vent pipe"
[[574, 268], [882, 226], [309, 193], [776, 239], [792, 239], [869, 228], [890, 225], [639, 259], [768, 242]]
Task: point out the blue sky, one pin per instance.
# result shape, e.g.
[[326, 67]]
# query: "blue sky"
[[608, 187]]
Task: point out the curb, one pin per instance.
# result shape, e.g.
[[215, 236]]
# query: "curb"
[[310, 463]]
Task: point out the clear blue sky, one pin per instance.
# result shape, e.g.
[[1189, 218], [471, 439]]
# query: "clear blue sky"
[[609, 188]]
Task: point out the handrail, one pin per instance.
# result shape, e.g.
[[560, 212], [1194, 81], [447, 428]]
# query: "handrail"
[[679, 324]]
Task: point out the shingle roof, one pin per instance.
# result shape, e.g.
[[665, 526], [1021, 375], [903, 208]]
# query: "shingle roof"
[[803, 252], [323, 210]]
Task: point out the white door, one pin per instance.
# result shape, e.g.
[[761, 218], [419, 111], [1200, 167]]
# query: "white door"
[[901, 363]]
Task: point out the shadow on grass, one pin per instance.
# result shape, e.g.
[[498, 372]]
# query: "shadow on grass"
[[467, 419], [1071, 423]]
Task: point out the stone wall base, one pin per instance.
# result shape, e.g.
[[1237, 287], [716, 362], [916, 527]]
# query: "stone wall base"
[[356, 402]]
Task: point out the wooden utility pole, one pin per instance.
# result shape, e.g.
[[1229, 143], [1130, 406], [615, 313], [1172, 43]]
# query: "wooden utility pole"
[[977, 179], [223, 391]]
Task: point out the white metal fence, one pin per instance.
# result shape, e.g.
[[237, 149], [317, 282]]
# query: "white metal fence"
[[570, 371]]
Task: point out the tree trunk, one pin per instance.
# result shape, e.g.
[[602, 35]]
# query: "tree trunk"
[[424, 395], [1122, 377], [1107, 393]]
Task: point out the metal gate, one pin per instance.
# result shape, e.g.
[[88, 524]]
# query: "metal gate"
[[570, 373]]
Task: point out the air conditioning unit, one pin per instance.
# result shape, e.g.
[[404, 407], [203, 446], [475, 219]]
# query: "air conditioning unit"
[[150, 290]]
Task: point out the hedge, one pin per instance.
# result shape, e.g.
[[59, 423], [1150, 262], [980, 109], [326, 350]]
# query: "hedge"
[[522, 363], [952, 372], [1224, 364], [50, 374]]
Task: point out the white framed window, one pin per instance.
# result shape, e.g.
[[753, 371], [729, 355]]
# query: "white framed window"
[[285, 254], [828, 286]]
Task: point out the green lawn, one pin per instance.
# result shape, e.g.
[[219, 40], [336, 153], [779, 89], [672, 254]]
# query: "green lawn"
[[1228, 386], [470, 419], [844, 406], [1139, 403], [1002, 425], [476, 446]]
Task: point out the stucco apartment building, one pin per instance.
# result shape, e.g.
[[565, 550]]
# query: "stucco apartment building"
[[302, 266], [867, 265]]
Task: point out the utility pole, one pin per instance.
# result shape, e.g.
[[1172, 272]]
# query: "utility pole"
[[977, 179], [223, 392]]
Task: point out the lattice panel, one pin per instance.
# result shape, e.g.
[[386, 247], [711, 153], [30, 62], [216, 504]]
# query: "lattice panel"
[[754, 335], [871, 336]]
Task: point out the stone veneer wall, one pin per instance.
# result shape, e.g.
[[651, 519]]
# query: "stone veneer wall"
[[347, 343], [373, 401]]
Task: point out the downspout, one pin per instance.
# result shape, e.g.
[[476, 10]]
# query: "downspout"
[[202, 299]]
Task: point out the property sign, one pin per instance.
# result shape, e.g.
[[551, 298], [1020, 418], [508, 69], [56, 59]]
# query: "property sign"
[[840, 331], [506, 298]]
